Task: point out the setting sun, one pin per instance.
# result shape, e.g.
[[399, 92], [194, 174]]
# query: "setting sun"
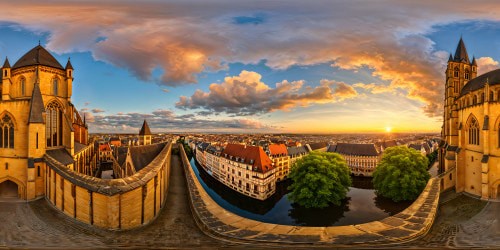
[[388, 129]]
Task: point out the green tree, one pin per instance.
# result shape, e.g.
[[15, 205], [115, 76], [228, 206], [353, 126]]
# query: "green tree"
[[319, 179], [401, 174], [432, 157]]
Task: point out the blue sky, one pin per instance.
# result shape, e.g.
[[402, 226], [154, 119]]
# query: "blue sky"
[[232, 67]]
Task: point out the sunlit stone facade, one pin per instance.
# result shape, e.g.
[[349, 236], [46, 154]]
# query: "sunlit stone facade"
[[470, 153]]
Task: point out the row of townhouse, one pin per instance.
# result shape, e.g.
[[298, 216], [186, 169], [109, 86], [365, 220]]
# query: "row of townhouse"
[[245, 169], [253, 171], [250, 170]]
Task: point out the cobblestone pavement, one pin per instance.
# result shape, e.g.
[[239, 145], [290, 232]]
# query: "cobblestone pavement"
[[462, 222]]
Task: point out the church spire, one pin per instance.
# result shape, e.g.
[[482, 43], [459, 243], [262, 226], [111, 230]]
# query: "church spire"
[[145, 129], [461, 53], [68, 65], [6, 64], [36, 105], [474, 63]]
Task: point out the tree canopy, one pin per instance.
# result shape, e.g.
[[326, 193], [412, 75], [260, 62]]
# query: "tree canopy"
[[401, 174], [319, 179]]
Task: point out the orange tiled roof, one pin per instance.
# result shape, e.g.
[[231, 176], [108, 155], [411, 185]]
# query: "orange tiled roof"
[[104, 147], [246, 154], [278, 149]]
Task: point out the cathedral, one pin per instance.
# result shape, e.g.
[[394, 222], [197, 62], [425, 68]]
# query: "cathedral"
[[470, 153], [37, 118], [45, 151]]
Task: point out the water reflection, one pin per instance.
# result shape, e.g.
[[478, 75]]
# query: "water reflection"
[[317, 217], [360, 206]]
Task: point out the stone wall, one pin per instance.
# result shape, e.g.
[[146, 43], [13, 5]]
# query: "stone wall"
[[112, 204], [216, 221]]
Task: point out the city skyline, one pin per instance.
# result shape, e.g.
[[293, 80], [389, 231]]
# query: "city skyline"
[[322, 68]]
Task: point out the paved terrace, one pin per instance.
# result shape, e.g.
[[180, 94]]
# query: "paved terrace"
[[462, 222], [413, 222]]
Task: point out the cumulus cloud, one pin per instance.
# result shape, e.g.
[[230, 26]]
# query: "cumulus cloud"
[[185, 38], [166, 120], [486, 64], [246, 94]]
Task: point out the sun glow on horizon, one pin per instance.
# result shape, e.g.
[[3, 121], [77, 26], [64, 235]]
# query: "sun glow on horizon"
[[388, 129]]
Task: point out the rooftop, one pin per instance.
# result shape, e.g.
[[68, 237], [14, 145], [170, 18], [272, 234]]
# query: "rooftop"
[[38, 56], [250, 155]]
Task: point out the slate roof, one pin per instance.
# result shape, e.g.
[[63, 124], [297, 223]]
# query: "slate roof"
[[461, 53], [38, 56], [6, 64], [122, 155], [426, 147], [492, 77], [278, 149], [60, 155], [79, 147], [390, 143], [143, 155], [318, 145], [296, 150], [251, 155], [213, 150], [416, 146], [355, 149], [68, 65], [36, 106], [203, 146], [145, 129]]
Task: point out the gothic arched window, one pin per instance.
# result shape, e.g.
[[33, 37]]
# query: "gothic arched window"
[[474, 100], [466, 74], [53, 127], [491, 96], [456, 72], [474, 132], [22, 86], [6, 132], [498, 135], [55, 86]]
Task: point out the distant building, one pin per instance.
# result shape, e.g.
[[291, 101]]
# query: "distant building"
[[296, 153], [420, 147], [245, 169], [281, 159], [105, 153], [319, 146], [115, 142], [145, 134], [201, 156], [382, 146], [362, 159]]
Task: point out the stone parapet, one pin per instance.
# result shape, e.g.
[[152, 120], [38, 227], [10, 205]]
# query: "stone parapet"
[[111, 204], [406, 226]]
